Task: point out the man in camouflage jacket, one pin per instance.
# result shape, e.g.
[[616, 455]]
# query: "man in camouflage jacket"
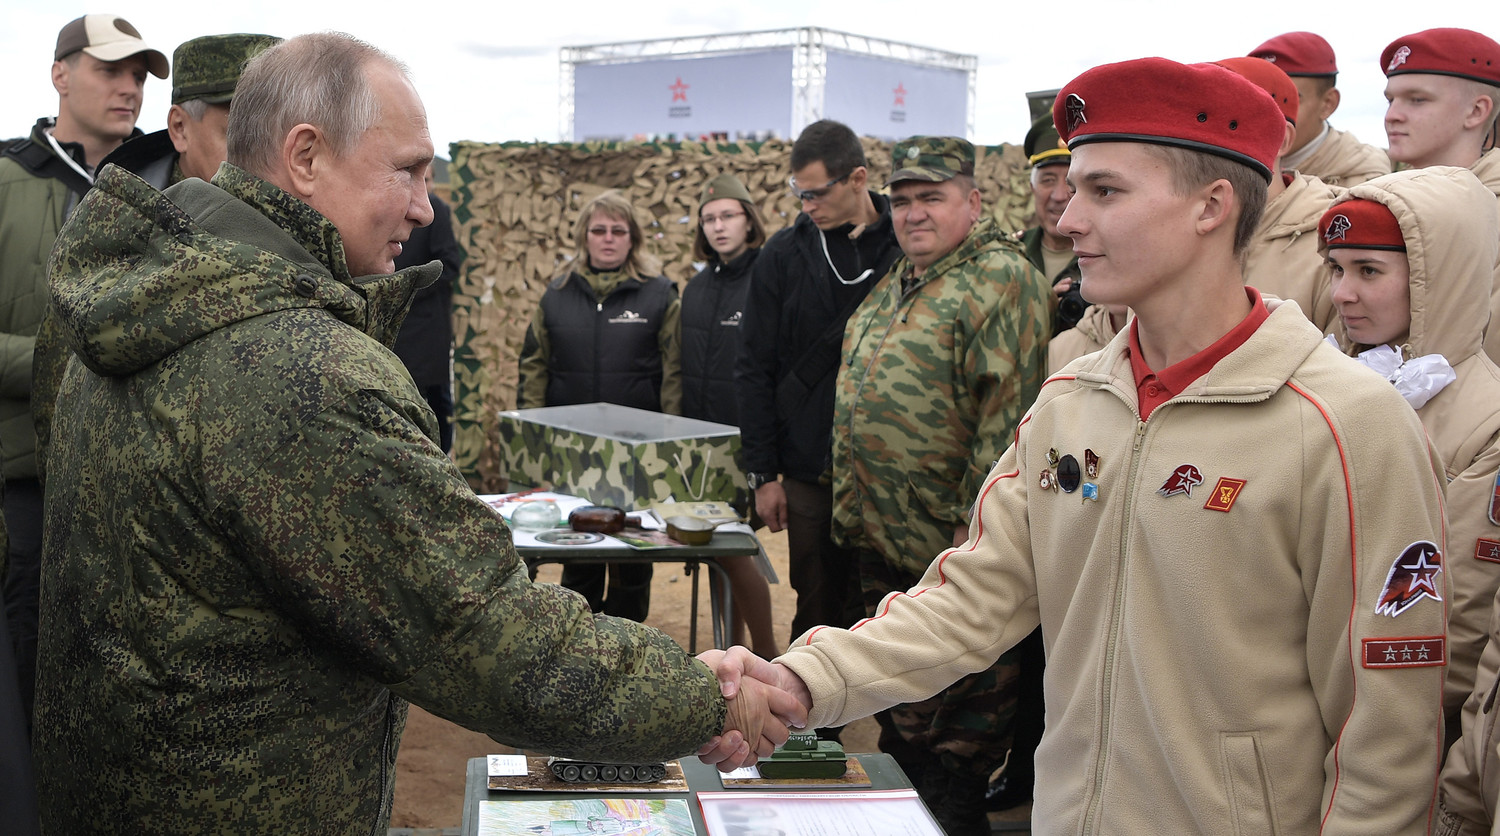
[[940, 362], [257, 553]]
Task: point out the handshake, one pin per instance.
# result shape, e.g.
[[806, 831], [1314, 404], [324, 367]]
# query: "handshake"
[[766, 700]]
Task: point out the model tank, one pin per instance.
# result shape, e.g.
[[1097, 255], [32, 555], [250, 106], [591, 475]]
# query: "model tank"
[[597, 772], [805, 756]]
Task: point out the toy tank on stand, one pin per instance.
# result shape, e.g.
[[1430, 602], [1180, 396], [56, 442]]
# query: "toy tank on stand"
[[805, 756]]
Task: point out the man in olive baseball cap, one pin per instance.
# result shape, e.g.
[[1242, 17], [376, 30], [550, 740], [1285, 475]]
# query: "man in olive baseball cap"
[[193, 143], [956, 332]]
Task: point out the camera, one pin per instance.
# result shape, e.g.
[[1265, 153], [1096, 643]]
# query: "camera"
[[1070, 307]]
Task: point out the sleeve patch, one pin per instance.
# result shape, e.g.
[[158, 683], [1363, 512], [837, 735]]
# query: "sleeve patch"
[[1413, 652], [1487, 550]]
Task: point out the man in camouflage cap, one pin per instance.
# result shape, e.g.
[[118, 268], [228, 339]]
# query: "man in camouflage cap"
[[941, 360], [257, 552], [193, 143], [1046, 248]]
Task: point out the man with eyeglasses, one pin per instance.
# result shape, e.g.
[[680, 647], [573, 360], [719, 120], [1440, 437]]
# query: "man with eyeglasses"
[[808, 279]]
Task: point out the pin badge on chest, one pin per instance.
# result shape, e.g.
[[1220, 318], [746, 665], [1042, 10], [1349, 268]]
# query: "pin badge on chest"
[[1069, 474], [1052, 457]]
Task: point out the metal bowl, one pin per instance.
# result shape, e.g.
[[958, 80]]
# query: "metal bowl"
[[690, 531]]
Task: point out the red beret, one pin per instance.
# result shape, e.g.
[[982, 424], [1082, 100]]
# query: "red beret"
[[1456, 52], [1299, 53], [1361, 224], [1201, 107], [1268, 77]]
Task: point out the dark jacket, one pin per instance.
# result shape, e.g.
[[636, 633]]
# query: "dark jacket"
[[425, 343], [620, 349], [151, 157], [796, 303], [258, 554], [712, 307]]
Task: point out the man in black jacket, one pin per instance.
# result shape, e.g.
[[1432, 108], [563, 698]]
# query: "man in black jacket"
[[425, 342], [808, 279]]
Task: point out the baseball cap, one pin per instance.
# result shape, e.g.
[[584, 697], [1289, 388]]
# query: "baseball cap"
[[931, 158], [108, 38]]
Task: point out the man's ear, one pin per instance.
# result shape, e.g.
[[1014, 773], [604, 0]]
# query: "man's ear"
[[1218, 205], [976, 206], [859, 176], [1328, 103], [1287, 139], [302, 155], [60, 71], [177, 120], [1481, 112]]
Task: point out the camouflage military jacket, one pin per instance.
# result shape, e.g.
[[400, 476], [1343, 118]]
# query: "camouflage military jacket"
[[256, 552], [932, 386]]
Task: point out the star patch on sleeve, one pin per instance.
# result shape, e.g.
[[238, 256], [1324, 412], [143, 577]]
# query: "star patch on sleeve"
[[1408, 652], [1413, 576]]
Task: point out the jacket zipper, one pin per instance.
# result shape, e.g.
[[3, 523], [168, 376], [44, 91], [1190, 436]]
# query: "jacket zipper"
[[387, 799], [1091, 818]]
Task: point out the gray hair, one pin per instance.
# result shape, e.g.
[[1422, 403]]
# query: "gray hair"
[[317, 79], [194, 108]]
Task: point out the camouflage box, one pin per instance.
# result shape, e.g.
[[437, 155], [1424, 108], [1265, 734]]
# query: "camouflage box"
[[620, 456]]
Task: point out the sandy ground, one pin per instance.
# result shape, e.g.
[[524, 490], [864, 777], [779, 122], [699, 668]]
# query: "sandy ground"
[[434, 752]]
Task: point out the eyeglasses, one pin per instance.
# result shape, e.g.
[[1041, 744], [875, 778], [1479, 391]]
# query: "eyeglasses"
[[616, 231], [710, 220], [814, 195]]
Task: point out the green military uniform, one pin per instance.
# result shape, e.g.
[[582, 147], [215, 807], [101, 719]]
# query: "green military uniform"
[[257, 553], [937, 371]]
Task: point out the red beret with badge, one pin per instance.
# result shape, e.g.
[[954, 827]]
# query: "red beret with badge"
[[1299, 53], [1270, 78], [1200, 107], [1360, 224], [1456, 52]]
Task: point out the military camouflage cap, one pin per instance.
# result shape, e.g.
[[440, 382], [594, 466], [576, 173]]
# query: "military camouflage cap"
[[209, 67], [1044, 146], [725, 185], [931, 158]]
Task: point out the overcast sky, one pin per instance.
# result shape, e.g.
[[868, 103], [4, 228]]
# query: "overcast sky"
[[489, 71]]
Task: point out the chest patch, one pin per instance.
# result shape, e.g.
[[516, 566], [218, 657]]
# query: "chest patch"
[[1182, 481]]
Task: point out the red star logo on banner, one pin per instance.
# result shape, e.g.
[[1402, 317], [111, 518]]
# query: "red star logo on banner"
[[679, 90], [900, 92]]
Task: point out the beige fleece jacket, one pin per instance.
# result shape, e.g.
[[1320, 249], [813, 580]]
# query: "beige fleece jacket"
[[1209, 670]]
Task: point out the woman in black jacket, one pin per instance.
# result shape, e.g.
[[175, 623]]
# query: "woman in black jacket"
[[729, 236]]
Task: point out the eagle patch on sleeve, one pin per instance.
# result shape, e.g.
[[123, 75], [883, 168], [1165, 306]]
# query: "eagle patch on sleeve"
[[1413, 576]]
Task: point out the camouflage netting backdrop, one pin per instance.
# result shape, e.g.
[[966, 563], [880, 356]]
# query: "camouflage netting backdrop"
[[514, 205]]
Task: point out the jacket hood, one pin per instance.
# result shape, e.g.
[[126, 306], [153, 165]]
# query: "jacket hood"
[[1296, 211], [1448, 220], [136, 273]]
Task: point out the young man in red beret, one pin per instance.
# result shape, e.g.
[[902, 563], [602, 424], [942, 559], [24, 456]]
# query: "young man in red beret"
[[1335, 157], [1282, 258], [1443, 86], [1244, 631]]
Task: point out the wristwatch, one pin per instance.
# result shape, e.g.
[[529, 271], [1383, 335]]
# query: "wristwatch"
[[758, 479]]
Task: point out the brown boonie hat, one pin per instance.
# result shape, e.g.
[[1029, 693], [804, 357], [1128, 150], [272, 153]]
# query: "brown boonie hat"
[[208, 68], [933, 159], [108, 38]]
